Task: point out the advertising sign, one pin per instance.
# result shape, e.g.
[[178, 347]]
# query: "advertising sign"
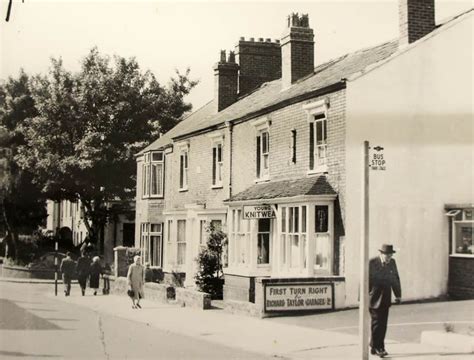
[[291, 297], [258, 212]]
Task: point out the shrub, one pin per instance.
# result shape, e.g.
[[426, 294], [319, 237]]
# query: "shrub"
[[209, 278]]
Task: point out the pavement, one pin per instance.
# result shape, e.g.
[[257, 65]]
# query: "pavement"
[[254, 335], [259, 336]]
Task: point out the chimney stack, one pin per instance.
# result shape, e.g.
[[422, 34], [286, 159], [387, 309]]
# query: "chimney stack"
[[297, 49], [416, 18], [259, 61], [225, 81]]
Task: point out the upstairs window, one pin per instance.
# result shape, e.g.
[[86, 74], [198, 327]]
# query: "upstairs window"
[[153, 174], [263, 151], [183, 170], [318, 143], [217, 164]]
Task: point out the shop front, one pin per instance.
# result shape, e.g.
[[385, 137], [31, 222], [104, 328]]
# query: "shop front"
[[282, 247], [461, 258]]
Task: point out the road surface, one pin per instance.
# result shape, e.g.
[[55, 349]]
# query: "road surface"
[[35, 326]]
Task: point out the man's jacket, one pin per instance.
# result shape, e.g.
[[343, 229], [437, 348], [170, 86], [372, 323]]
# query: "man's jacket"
[[68, 267], [382, 279]]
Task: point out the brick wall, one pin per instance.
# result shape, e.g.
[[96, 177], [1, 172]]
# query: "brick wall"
[[199, 174], [416, 19], [461, 278], [281, 165], [259, 61]]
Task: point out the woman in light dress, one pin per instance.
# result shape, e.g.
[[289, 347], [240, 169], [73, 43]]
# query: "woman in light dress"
[[135, 279]]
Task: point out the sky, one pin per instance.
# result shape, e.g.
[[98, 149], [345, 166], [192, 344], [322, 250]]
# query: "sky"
[[167, 35]]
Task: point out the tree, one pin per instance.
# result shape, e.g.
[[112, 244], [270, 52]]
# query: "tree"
[[22, 205], [209, 276], [90, 124]]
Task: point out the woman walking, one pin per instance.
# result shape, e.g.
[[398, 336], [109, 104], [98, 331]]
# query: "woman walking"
[[95, 272], [82, 270], [135, 281]]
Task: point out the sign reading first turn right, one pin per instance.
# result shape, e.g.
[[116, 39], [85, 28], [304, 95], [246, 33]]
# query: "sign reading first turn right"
[[377, 161]]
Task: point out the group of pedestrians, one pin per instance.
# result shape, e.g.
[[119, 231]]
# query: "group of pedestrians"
[[85, 269]]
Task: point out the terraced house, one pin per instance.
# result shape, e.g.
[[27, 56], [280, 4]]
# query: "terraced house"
[[275, 159]]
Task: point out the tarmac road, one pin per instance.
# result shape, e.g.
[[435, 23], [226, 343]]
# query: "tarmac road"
[[406, 321], [35, 326]]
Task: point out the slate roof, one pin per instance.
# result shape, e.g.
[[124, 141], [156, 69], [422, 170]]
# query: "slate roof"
[[270, 94], [286, 188]]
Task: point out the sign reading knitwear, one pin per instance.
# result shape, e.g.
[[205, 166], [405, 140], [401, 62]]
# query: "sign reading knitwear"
[[258, 212], [291, 297]]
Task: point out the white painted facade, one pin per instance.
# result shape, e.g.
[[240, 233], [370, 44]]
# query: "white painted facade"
[[418, 106]]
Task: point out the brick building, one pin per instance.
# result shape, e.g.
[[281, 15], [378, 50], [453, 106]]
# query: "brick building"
[[275, 159]]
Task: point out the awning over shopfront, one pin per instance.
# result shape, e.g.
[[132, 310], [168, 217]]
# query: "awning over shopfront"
[[285, 189]]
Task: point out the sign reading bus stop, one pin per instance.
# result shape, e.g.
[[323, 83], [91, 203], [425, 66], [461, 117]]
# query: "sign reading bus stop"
[[291, 297]]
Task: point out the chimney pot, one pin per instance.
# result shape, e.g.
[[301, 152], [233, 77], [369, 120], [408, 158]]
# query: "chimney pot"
[[268, 40], [242, 38], [260, 39], [252, 39], [297, 49], [222, 60], [231, 58]]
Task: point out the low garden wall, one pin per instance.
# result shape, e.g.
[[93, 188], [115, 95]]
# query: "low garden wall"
[[20, 272], [193, 298]]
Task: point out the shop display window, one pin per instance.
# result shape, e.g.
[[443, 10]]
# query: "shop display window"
[[462, 231], [263, 238]]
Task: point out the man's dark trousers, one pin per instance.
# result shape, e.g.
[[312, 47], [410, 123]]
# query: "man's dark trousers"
[[382, 279], [379, 318]]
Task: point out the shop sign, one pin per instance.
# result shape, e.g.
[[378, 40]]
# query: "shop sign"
[[377, 161], [297, 297], [258, 212]]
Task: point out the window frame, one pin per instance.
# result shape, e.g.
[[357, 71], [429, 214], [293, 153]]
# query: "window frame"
[[147, 174], [217, 165], [183, 169], [181, 242], [317, 113], [153, 258], [458, 219]]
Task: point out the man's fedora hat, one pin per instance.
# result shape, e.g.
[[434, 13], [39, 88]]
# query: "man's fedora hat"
[[387, 249]]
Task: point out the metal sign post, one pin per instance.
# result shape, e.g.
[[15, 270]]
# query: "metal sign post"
[[56, 269], [364, 261]]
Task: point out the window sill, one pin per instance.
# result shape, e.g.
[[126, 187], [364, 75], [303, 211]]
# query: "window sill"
[[466, 256], [218, 186], [153, 197], [319, 170], [262, 180], [183, 190]]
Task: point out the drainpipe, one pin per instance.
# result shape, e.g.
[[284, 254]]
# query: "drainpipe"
[[230, 127]]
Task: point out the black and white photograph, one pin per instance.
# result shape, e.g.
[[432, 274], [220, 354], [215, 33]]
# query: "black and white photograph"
[[238, 179]]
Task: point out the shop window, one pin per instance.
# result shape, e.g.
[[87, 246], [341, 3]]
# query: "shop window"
[[153, 174], [263, 238], [322, 248], [293, 236], [463, 226], [151, 243], [263, 151], [239, 238], [183, 170], [217, 164], [181, 242]]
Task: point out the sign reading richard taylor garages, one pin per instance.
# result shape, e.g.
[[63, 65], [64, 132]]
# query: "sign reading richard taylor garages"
[[291, 297], [258, 212]]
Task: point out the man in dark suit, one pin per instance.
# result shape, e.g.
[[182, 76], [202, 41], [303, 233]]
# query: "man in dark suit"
[[383, 278], [68, 268]]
